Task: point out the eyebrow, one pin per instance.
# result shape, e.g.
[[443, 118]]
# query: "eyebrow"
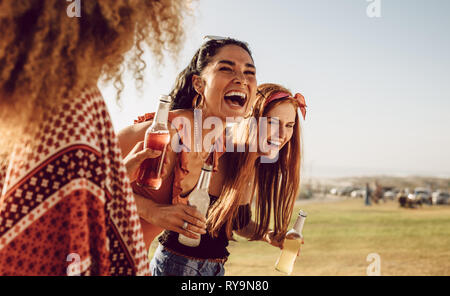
[[274, 118], [231, 63], [278, 119]]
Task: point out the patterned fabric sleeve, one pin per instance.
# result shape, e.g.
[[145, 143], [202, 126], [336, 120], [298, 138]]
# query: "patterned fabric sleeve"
[[3, 168], [67, 206]]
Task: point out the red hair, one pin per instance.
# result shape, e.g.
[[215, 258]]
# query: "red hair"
[[276, 185]]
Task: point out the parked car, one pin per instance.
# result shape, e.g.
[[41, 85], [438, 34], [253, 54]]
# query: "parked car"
[[389, 195], [334, 191], [346, 190], [440, 198], [358, 193], [423, 195]]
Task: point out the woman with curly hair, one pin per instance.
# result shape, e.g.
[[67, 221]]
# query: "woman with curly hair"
[[219, 82], [66, 205]]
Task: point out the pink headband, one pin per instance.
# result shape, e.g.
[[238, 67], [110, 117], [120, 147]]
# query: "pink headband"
[[298, 98]]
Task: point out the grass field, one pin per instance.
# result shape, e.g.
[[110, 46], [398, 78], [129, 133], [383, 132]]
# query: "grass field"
[[340, 235]]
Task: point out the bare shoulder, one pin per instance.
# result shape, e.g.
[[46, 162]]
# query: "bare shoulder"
[[135, 129], [183, 123], [185, 113]]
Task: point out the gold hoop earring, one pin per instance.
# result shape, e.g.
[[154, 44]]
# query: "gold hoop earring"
[[195, 102]]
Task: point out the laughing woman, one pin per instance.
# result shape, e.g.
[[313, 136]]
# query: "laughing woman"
[[270, 176], [220, 81]]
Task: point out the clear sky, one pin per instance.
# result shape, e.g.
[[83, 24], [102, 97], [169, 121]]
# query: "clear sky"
[[377, 89]]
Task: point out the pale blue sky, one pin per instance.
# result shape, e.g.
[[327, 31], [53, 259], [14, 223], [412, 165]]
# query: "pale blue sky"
[[377, 89]]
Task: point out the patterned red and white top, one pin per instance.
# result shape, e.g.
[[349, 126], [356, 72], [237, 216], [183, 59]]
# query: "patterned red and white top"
[[66, 205]]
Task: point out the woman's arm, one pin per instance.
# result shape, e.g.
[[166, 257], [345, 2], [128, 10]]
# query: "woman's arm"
[[165, 216], [136, 156], [129, 136], [268, 237]]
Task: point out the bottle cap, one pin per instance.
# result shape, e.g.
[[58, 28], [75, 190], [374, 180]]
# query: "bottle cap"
[[209, 162], [207, 168], [303, 214], [165, 98]]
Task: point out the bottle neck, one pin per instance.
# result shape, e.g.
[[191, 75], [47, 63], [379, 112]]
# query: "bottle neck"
[[162, 114], [204, 179], [298, 226]]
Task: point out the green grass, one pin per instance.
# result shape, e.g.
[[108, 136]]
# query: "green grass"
[[340, 235]]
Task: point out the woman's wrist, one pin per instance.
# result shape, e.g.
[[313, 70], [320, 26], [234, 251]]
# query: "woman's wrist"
[[145, 207]]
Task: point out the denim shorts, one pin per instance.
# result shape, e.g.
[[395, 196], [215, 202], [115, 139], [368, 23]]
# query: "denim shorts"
[[166, 263]]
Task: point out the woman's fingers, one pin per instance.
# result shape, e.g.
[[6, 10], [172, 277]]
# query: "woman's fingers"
[[195, 222], [136, 156], [192, 227], [191, 230], [276, 241], [141, 154], [186, 233], [193, 212], [138, 147], [173, 217]]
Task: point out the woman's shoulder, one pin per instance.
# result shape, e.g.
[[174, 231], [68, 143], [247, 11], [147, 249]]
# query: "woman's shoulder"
[[134, 130], [181, 113], [132, 134]]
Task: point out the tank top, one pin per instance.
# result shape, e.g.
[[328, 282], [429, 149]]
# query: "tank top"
[[210, 247]]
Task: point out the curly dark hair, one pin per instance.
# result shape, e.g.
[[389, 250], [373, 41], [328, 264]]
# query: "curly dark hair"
[[184, 92]]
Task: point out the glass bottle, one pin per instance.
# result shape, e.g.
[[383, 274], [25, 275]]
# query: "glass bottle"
[[199, 198], [291, 246], [157, 137]]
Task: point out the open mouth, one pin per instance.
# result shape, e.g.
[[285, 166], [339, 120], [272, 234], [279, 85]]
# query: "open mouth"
[[274, 143], [236, 98]]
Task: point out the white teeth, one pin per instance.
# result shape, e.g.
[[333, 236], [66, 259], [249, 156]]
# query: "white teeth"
[[236, 93], [276, 143]]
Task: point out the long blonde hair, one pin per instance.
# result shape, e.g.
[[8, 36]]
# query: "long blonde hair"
[[45, 55], [276, 185]]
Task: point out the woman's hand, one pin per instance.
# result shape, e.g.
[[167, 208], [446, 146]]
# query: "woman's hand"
[[172, 217], [136, 156], [275, 241]]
